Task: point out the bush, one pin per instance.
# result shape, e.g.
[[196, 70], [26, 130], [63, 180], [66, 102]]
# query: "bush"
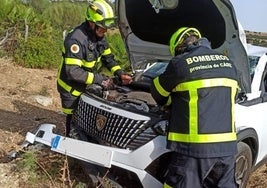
[[118, 49], [38, 52], [5, 8], [64, 15], [40, 46]]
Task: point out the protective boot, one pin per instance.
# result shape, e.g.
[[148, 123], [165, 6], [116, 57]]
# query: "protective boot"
[[68, 124]]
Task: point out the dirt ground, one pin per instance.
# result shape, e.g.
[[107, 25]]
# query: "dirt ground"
[[19, 113]]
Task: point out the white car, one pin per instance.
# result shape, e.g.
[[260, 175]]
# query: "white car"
[[123, 131]]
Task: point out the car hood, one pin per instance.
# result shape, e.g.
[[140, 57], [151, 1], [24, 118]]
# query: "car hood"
[[147, 25]]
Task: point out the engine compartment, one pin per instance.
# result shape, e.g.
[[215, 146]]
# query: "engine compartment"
[[134, 97]]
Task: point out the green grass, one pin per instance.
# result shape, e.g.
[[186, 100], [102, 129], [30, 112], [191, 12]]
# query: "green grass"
[[27, 165]]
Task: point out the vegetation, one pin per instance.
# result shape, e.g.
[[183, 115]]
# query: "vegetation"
[[257, 38], [32, 31], [29, 166]]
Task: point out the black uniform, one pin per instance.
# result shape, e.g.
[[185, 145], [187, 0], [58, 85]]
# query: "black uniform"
[[201, 85], [82, 56]]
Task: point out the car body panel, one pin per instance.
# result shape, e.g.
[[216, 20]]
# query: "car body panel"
[[254, 117], [146, 32]]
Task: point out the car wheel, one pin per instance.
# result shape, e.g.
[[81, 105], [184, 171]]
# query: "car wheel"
[[243, 163]]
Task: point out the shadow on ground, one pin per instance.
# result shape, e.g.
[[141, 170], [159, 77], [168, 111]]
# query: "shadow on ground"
[[27, 117], [24, 118]]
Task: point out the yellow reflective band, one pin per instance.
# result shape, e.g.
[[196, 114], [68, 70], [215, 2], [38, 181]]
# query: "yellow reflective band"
[[159, 88], [166, 186], [89, 64], [73, 61], [115, 68], [235, 87], [213, 82], [193, 109], [192, 87], [106, 51], [169, 101], [90, 78], [59, 68], [68, 88], [202, 138], [67, 110], [63, 84]]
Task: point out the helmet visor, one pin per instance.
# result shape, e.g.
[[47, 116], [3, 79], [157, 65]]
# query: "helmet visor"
[[107, 23]]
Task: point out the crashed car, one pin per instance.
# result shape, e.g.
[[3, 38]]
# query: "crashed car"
[[120, 134]]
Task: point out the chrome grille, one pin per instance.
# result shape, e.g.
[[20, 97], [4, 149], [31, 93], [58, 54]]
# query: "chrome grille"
[[122, 129]]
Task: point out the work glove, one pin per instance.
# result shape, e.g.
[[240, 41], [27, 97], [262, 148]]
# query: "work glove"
[[105, 82], [108, 84]]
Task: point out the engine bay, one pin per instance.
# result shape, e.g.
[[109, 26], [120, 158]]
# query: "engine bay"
[[132, 97]]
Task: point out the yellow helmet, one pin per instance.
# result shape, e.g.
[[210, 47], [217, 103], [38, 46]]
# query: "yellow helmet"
[[101, 13], [180, 35]]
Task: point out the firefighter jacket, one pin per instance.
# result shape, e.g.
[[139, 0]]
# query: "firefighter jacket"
[[82, 55], [201, 85]]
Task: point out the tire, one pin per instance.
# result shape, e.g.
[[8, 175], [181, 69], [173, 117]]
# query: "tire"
[[243, 163]]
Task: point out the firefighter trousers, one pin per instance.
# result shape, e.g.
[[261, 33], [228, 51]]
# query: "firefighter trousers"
[[188, 172]]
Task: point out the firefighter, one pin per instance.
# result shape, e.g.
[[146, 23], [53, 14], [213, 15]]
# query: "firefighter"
[[85, 50], [199, 86]]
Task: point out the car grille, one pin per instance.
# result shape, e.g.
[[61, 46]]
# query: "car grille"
[[112, 125]]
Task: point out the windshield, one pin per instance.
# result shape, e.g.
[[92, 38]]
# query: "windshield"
[[253, 61]]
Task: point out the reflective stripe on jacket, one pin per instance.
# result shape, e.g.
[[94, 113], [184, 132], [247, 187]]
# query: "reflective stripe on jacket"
[[201, 86], [193, 135], [82, 57]]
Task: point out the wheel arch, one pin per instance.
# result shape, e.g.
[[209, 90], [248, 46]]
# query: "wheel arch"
[[250, 137]]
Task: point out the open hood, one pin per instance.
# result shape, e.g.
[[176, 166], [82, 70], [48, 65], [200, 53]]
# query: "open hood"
[[147, 25]]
